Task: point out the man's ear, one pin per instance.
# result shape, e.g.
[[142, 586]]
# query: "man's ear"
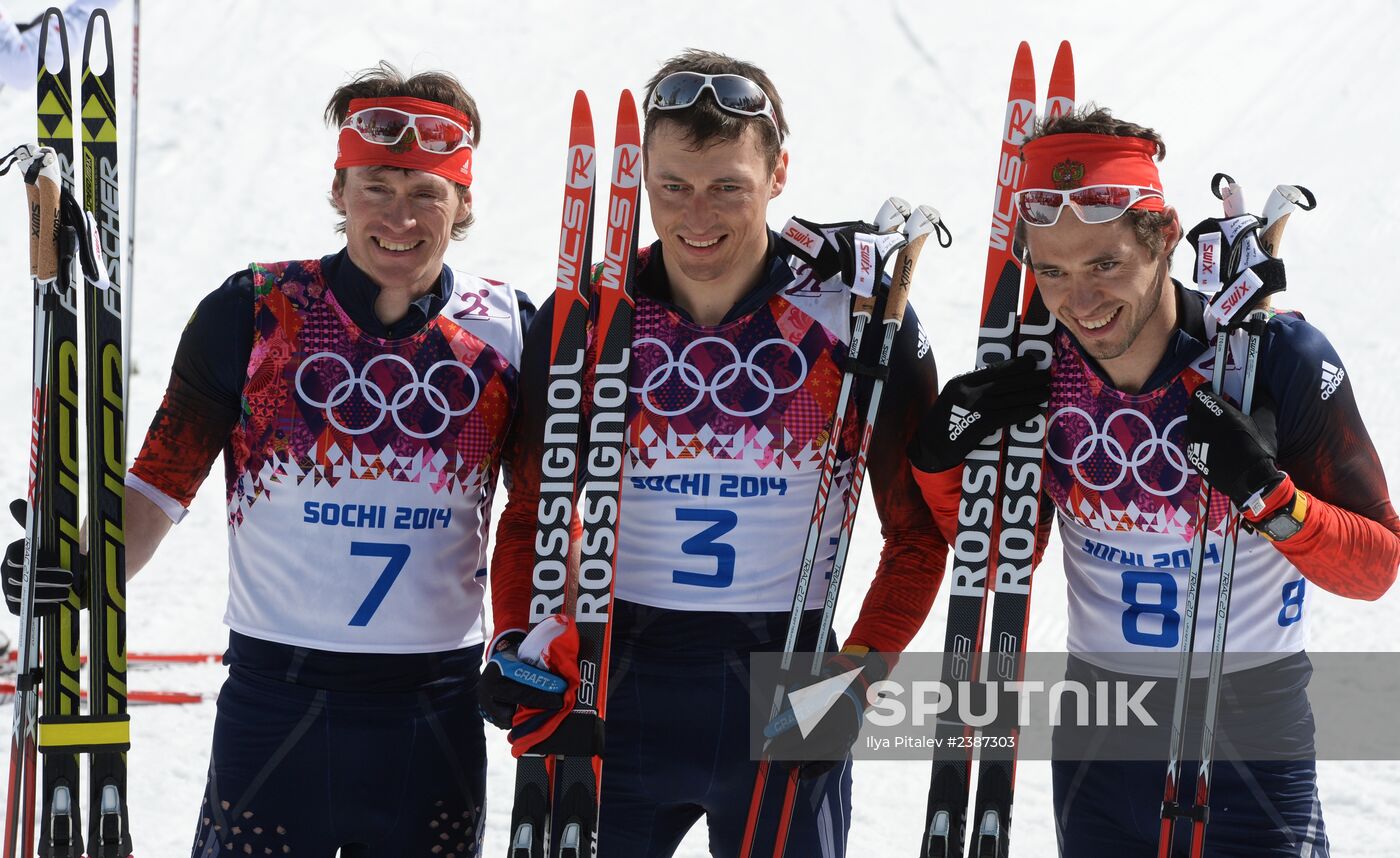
[[779, 175]]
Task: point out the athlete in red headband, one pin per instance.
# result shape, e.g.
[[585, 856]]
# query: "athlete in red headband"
[[361, 402], [1126, 402]]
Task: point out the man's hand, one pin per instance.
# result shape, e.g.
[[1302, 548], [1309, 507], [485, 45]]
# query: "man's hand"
[[1233, 452], [53, 584], [507, 682], [974, 405], [816, 748]]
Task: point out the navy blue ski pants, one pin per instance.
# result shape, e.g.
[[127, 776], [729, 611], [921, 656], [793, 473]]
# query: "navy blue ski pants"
[[306, 771], [677, 749], [1111, 808]]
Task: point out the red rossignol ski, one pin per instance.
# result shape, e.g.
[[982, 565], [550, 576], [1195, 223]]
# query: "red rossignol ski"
[[530, 818], [1021, 471], [998, 515], [568, 826], [578, 776], [945, 820]]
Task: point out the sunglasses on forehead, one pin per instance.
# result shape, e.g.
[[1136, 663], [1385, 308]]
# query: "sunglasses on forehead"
[[1093, 204], [733, 93], [386, 126]]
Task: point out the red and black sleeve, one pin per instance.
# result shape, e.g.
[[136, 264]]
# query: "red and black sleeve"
[[203, 398], [513, 559], [915, 550], [1350, 541]]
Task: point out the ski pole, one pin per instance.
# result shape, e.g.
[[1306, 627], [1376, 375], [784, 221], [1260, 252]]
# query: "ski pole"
[[42, 179], [924, 222], [1280, 205], [131, 217]]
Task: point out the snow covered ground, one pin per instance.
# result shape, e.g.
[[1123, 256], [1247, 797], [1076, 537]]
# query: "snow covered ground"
[[884, 98]]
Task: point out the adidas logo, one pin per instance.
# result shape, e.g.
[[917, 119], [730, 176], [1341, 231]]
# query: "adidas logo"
[[960, 421], [1332, 378], [1197, 454]]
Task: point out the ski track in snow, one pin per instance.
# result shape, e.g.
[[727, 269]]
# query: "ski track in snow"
[[235, 166]]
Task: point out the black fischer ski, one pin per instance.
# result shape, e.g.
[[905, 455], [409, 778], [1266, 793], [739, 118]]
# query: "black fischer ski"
[[106, 454], [60, 821]]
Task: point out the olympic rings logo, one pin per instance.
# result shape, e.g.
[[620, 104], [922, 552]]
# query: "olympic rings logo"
[[692, 377], [374, 397], [1099, 445]]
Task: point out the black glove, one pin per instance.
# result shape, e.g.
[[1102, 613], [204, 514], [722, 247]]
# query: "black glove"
[[1230, 259], [1233, 452], [974, 405], [829, 740], [856, 250], [507, 682], [52, 583]]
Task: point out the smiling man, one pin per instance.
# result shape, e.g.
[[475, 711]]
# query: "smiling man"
[[1128, 394], [361, 402], [737, 356]]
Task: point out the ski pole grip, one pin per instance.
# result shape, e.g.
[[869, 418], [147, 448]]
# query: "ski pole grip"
[[41, 189], [1272, 236], [922, 223], [903, 278]]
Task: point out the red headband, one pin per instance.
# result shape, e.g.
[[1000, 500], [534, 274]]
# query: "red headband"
[[1063, 162], [355, 151]]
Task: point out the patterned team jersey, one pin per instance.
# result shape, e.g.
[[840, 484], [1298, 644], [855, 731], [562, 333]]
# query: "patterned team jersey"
[[1127, 503], [360, 470], [728, 425], [725, 429], [1117, 478]]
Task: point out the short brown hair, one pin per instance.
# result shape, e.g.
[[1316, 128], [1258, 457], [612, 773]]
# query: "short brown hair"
[[386, 81], [1149, 227], [705, 123]]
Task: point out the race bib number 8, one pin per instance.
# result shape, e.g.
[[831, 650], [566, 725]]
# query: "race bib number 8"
[[1150, 594]]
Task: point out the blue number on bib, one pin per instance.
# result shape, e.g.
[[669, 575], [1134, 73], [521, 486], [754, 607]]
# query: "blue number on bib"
[[397, 555], [1164, 607], [703, 544], [1293, 593]]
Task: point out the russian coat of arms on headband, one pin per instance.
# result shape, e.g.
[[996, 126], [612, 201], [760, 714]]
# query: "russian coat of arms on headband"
[[1067, 175]]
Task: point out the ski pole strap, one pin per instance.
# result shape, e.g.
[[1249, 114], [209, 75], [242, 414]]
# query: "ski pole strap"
[[879, 371], [19, 156]]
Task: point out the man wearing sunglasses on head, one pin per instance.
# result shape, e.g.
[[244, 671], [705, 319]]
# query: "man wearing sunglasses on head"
[[737, 357], [1129, 404], [361, 402]]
